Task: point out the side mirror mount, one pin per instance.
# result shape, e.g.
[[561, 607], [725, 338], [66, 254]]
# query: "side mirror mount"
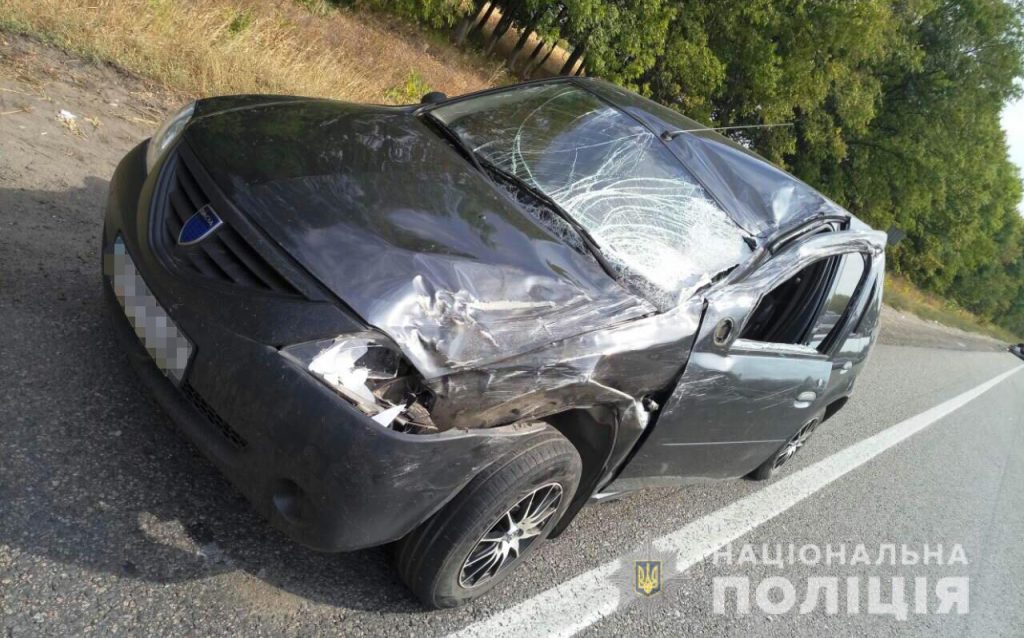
[[434, 97]]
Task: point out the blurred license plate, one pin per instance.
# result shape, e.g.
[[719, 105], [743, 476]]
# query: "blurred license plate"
[[163, 340]]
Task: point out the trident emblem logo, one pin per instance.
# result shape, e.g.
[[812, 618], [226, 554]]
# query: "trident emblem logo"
[[648, 577]]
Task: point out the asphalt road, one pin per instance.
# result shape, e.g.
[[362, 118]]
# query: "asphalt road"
[[110, 523]]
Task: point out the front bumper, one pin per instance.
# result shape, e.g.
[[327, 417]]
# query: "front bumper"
[[317, 468]]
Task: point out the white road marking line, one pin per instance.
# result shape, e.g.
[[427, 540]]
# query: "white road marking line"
[[578, 603]]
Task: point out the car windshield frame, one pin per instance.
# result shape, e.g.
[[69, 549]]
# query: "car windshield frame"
[[662, 233]]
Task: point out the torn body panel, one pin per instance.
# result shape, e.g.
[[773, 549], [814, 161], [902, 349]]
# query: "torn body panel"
[[740, 400], [612, 367]]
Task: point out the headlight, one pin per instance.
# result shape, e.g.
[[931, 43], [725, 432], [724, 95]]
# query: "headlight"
[[371, 373], [167, 133]]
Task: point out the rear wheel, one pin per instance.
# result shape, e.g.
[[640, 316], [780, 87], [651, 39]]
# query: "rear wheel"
[[767, 469], [502, 516]]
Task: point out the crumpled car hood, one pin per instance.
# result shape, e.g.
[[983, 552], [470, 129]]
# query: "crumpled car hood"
[[401, 228]]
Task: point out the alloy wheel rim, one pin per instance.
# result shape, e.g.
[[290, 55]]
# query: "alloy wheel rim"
[[510, 535], [794, 444]]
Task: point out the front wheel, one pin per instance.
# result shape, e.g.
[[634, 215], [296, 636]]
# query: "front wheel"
[[502, 516]]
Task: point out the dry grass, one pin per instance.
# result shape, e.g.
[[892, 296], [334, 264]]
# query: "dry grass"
[[217, 47], [903, 295]]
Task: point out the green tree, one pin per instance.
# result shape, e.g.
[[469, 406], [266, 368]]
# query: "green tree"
[[626, 39], [934, 160]]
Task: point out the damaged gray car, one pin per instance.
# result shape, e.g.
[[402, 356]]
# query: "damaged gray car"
[[448, 326]]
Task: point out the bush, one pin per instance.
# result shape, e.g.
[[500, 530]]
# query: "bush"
[[410, 91]]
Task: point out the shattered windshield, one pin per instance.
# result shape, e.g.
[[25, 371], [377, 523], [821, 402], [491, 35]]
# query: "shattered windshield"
[[650, 218]]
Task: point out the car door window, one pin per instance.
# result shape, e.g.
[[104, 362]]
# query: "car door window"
[[869, 318], [844, 285], [807, 308]]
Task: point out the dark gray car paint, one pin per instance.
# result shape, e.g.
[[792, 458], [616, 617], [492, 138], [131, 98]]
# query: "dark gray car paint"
[[738, 401], [505, 321]]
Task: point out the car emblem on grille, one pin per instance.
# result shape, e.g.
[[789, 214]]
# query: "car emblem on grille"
[[199, 226]]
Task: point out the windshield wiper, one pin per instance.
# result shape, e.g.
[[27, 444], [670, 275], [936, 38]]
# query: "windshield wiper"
[[455, 140], [536, 193], [544, 198]]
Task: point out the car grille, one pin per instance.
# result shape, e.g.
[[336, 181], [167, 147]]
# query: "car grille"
[[223, 256], [222, 426]]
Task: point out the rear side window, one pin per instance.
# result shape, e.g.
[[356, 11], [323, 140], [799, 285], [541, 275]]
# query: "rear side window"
[[808, 307]]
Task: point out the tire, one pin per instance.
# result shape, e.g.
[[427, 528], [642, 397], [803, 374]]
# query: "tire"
[[781, 456], [432, 558]]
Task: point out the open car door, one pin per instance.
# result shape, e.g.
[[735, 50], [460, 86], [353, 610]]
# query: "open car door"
[[762, 360]]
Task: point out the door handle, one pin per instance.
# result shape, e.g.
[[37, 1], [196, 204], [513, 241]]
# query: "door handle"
[[805, 398]]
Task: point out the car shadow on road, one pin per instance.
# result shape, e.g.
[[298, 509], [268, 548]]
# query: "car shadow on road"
[[92, 473]]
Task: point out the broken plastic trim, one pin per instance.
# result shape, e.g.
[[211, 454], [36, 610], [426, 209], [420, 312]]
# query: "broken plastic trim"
[[368, 371]]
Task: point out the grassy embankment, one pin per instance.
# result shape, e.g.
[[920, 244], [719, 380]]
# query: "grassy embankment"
[[213, 47], [307, 47], [903, 295]]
